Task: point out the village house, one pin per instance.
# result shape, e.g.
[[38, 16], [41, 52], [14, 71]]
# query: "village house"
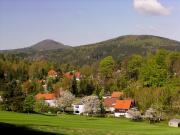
[[174, 123], [52, 74], [110, 101], [117, 94], [78, 108], [49, 98], [109, 104], [122, 106], [70, 75]]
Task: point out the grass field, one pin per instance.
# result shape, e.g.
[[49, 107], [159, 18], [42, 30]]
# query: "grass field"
[[82, 125]]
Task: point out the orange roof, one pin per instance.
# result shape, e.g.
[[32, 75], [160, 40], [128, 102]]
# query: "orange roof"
[[45, 96], [123, 104], [116, 94], [52, 73]]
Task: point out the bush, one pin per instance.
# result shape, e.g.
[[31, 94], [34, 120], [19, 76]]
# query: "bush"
[[53, 110], [40, 106], [28, 104]]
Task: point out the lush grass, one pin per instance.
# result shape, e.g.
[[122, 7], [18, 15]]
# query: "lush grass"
[[81, 125]]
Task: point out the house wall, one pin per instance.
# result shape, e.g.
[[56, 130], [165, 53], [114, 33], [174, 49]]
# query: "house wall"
[[118, 114], [52, 103], [129, 116], [109, 109], [78, 109], [174, 124]]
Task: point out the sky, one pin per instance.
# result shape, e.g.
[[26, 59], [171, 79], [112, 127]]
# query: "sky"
[[78, 22]]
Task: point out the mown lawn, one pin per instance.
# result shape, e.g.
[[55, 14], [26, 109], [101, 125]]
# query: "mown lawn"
[[82, 125]]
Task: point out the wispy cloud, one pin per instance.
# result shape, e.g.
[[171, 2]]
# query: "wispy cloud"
[[148, 29], [153, 7]]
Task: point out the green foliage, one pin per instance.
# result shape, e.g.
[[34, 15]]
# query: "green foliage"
[[74, 88], [107, 66], [28, 105], [40, 106], [154, 72], [13, 97], [134, 65], [122, 82], [151, 79]]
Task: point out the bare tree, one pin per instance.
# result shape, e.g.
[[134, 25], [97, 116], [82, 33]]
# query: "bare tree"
[[65, 100], [91, 104]]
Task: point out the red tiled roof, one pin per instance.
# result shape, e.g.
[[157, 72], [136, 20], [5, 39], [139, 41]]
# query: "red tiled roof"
[[123, 104], [110, 102], [116, 94], [78, 74], [70, 75], [45, 96], [52, 73]]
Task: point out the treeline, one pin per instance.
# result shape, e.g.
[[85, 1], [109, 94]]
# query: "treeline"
[[152, 80], [119, 48]]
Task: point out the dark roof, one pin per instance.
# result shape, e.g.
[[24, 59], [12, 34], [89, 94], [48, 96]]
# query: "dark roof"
[[110, 102], [175, 120]]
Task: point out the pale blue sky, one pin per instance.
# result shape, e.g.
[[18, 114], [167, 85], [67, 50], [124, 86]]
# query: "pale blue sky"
[[78, 22]]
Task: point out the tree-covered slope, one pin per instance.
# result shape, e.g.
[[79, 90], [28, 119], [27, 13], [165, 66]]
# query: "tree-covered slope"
[[119, 48]]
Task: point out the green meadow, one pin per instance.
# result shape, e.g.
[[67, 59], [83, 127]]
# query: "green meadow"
[[82, 125]]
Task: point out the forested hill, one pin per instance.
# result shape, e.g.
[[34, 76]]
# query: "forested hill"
[[119, 48]]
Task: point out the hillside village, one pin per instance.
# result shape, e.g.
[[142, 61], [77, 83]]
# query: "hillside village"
[[137, 88], [90, 67]]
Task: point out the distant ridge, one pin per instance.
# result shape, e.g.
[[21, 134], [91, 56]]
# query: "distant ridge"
[[119, 48]]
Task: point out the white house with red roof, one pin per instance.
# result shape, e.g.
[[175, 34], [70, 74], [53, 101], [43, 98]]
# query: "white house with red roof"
[[78, 108], [122, 106], [49, 98]]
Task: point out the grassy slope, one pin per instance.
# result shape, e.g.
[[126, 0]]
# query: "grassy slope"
[[80, 125]]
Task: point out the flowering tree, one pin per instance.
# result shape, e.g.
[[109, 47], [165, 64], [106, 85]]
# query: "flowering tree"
[[65, 100], [151, 115], [91, 104], [134, 114]]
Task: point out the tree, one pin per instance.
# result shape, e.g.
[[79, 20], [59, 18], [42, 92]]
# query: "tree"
[[91, 104], [13, 97], [40, 106], [134, 114], [29, 102], [100, 96], [107, 66], [134, 65], [173, 63], [151, 115], [86, 86], [74, 89], [49, 85], [65, 100], [152, 74], [122, 82]]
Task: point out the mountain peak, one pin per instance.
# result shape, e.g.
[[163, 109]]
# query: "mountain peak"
[[48, 44]]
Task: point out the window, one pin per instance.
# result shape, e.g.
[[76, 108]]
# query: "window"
[[77, 106]]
